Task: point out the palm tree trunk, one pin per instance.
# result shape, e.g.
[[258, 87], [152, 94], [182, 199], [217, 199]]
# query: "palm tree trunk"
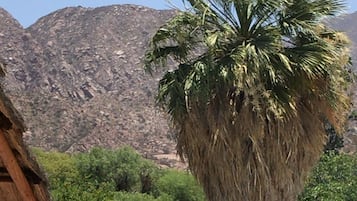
[[250, 158]]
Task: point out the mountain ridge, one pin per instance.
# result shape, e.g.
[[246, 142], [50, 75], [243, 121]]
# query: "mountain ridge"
[[87, 86], [77, 77]]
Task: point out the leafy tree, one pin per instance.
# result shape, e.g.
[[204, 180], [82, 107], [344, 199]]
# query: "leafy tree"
[[120, 167], [181, 186], [124, 196], [66, 184], [59, 167], [255, 82], [334, 179], [81, 189]]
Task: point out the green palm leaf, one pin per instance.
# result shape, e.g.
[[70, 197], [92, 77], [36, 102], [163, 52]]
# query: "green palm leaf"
[[255, 81]]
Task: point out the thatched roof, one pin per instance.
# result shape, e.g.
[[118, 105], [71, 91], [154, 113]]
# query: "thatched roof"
[[21, 178]]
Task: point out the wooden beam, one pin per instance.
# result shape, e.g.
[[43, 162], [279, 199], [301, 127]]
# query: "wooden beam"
[[14, 170], [31, 176]]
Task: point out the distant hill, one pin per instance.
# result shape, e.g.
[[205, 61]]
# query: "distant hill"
[[348, 23], [77, 77]]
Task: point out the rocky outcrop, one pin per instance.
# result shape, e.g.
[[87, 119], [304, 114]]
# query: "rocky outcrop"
[[77, 76]]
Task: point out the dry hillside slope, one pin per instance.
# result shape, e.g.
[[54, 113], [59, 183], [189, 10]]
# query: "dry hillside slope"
[[77, 76]]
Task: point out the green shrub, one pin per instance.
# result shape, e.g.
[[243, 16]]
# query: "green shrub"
[[98, 175], [125, 196], [59, 167], [121, 167], [66, 184], [334, 179], [82, 191], [181, 186]]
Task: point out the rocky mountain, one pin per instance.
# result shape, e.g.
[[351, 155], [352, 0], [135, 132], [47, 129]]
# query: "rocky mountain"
[[77, 77], [347, 23]]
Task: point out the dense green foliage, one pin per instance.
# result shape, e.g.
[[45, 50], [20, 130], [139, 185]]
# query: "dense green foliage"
[[89, 177], [66, 183], [181, 186], [60, 167], [334, 179], [119, 175], [125, 196], [122, 168]]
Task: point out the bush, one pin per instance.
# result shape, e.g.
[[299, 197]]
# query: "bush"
[[96, 176], [65, 182], [59, 167], [122, 168], [181, 186], [125, 196], [82, 191], [334, 179]]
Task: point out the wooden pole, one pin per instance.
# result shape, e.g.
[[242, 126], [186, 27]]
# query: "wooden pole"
[[14, 170]]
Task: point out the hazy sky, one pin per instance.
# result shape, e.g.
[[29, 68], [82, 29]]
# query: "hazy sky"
[[28, 11]]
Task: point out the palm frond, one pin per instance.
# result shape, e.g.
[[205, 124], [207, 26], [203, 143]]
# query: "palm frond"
[[255, 82]]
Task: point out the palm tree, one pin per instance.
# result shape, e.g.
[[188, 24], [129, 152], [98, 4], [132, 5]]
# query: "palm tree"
[[255, 82]]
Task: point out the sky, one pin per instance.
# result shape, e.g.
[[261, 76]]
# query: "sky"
[[28, 11]]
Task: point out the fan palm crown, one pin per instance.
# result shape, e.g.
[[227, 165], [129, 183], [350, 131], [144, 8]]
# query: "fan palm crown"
[[255, 82]]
